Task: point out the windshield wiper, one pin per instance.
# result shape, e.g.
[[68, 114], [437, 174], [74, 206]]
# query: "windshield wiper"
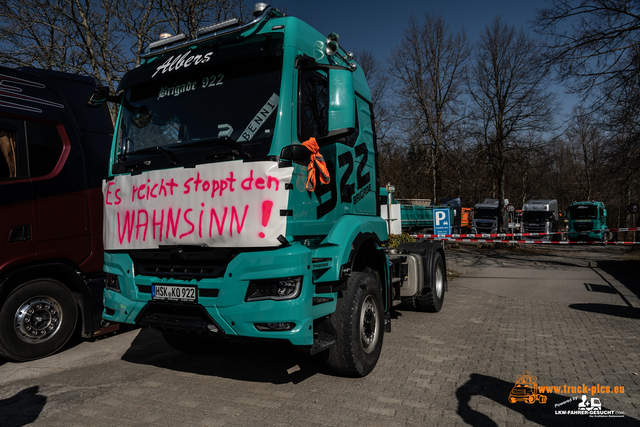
[[168, 154], [220, 142]]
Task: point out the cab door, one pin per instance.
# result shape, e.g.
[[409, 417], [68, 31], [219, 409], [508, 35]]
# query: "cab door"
[[60, 194], [16, 196]]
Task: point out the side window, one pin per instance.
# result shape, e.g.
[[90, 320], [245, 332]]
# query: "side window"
[[13, 155], [44, 146], [8, 148], [313, 108], [313, 117]]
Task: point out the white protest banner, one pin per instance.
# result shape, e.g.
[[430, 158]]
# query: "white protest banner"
[[232, 204]]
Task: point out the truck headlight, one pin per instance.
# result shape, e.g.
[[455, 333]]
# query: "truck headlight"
[[274, 289], [111, 282]]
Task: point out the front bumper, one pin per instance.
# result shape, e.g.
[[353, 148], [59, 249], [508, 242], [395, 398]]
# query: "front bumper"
[[222, 300]]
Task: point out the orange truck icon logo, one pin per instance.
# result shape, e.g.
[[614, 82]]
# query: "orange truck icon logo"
[[526, 390]]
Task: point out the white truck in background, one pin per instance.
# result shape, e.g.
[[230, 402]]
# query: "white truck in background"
[[540, 216], [485, 217]]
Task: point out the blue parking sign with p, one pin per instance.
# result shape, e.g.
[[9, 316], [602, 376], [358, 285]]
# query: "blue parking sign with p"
[[441, 221]]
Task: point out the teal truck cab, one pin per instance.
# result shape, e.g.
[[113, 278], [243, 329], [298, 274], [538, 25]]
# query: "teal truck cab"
[[415, 215], [587, 221], [242, 202]]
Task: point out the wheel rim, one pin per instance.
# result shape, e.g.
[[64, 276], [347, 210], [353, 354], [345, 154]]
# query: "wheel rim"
[[38, 319], [439, 282], [369, 332]]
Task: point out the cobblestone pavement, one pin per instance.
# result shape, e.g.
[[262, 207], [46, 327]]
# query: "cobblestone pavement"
[[456, 367]]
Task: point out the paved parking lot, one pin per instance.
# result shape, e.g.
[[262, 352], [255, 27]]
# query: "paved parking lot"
[[568, 316]]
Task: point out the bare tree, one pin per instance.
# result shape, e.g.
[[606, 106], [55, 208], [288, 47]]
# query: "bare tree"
[[186, 16], [102, 39], [140, 20], [378, 80], [586, 143], [509, 86], [429, 68], [63, 35], [593, 43]]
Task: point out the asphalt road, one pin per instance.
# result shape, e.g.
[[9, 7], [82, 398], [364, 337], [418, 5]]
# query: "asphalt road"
[[570, 316]]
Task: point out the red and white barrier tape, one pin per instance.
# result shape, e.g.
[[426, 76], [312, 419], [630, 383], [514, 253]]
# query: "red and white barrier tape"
[[447, 239], [484, 236]]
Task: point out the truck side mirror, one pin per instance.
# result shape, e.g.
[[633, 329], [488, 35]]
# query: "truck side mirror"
[[101, 95], [295, 153], [342, 102]]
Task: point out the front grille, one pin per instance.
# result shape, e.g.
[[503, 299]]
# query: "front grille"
[[583, 226], [178, 317], [182, 262]]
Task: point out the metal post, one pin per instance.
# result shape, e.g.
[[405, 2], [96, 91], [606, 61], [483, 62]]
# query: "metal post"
[[389, 212]]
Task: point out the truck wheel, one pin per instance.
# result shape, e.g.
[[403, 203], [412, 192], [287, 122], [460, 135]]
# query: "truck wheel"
[[432, 298], [359, 323], [36, 320]]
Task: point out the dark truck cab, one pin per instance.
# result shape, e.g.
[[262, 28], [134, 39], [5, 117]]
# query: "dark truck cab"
[[54, 152]]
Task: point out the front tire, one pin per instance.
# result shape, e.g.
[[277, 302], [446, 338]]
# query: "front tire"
[[36, 320], [359, 324]]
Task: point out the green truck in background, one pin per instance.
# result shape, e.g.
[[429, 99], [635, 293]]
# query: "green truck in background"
[[242, 199], [587, 221], [415, 215]]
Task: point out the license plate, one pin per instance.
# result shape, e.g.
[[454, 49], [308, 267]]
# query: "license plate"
[[173, 293]]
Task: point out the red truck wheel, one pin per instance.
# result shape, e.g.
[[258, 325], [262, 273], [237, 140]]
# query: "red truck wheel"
[[36, 320]]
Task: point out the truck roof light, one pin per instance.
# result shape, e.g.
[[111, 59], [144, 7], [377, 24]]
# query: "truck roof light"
[[165, 41], [218, 26], [230, 26], [258, 8]]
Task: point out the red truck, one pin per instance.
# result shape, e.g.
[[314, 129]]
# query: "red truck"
[[54, 153]]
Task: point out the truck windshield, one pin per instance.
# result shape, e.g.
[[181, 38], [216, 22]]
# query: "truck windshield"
[[229, 97], [485, 213], [535, 216], [584, 212]]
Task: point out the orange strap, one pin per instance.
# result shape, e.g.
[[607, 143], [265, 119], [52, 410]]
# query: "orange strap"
[[317, 161]]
